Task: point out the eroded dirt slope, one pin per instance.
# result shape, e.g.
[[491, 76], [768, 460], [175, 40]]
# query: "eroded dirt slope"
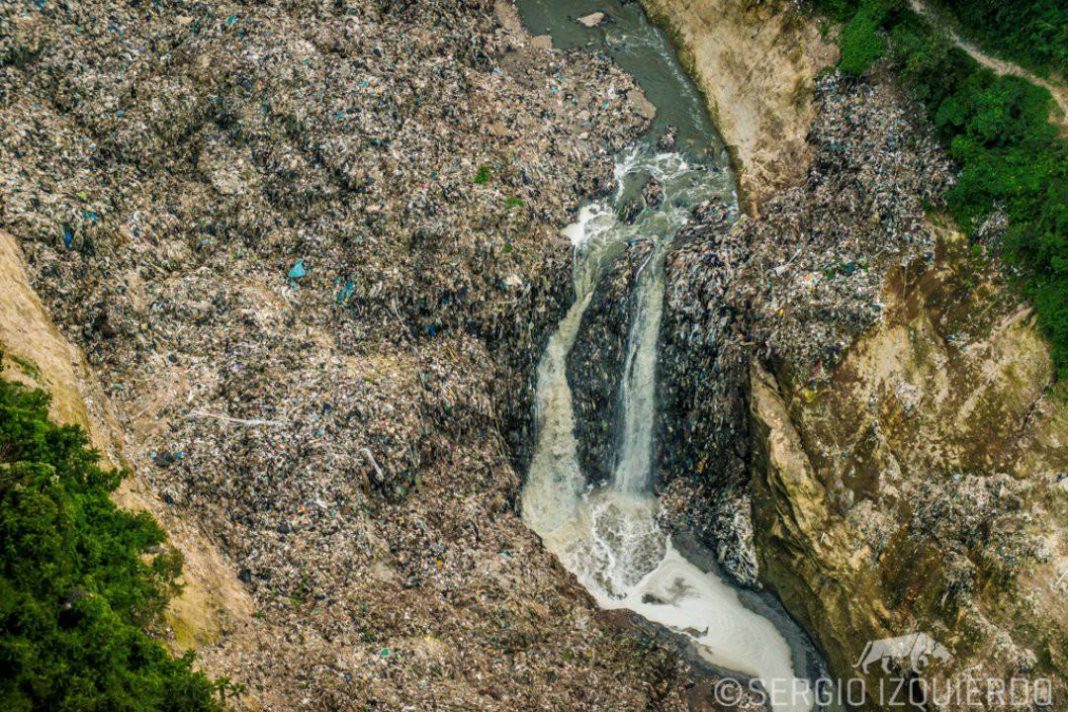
[[755, 63], [908, 443]]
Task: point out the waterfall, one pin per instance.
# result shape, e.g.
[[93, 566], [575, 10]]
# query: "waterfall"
[[638, 391], [609, 538]]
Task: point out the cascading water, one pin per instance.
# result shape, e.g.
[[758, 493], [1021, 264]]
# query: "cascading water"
[[609, 537], [639, 378]]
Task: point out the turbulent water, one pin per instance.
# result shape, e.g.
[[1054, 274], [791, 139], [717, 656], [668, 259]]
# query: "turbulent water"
[[609, 537]]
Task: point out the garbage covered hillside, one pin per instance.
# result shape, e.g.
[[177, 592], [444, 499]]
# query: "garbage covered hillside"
[[906, 461], [311, 251], [302, 269]]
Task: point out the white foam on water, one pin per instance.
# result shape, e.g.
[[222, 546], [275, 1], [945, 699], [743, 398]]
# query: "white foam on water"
[[580, 231], [613, 545], [609, 539]]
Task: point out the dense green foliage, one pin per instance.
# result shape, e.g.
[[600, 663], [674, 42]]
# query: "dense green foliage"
[[79, 580], [1033, 33], [997, 128], [861, 42]]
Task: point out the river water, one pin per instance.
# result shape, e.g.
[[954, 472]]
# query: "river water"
[[608, 537]]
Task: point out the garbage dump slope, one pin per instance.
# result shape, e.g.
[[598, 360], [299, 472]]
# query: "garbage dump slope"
[[312, 254]]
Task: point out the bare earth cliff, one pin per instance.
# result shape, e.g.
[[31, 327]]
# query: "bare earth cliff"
[[909, 450]]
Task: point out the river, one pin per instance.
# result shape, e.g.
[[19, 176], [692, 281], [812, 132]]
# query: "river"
[[608, 537]]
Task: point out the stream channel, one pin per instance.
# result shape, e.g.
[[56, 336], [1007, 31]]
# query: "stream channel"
[[608, 536]]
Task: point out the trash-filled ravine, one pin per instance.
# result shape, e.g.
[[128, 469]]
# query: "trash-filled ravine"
[[608, 536]]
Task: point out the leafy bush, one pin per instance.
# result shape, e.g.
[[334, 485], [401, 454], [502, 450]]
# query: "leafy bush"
[[861, 42], [997, 128], [1032, 33], [80, 579]]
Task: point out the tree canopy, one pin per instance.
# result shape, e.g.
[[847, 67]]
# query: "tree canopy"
[[80, 580]]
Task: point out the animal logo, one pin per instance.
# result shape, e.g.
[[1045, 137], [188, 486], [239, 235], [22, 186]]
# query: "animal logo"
[[1061, 583], [914, 652]]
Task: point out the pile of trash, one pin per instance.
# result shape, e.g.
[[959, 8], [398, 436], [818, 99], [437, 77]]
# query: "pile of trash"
[[981, 517], [701, 370], [596, 362], [312, 252], [721, 517], [818, 258], [793, 287], [703, 416]]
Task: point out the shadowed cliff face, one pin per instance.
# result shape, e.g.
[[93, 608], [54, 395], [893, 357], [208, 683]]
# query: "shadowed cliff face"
[[702, 393], [703, 468], [907, 449], [596, 362]]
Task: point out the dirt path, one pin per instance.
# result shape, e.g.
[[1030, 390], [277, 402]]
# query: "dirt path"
[[1059, 91]]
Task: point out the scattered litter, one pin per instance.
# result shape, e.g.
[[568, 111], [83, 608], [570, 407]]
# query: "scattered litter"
[[592, 20], [297, 270], [238, 421]]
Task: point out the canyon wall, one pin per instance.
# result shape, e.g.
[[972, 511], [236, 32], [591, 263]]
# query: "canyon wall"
[[907, 451], [921, 487], [754, 62]]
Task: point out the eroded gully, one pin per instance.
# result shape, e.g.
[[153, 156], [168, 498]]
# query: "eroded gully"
[[608, 536]]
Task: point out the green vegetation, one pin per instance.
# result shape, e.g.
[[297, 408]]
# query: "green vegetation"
[[997, 128], [483, 175], [861, 42], [1033, 33], [26, 366], [80, 580]]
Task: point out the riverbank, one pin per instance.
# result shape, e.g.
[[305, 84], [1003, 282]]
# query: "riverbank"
[[754, 64], [886, 378]]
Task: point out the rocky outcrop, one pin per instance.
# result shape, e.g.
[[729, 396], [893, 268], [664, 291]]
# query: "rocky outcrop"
[[755, 62], [921, 486], [789, 503], [791, 288]]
